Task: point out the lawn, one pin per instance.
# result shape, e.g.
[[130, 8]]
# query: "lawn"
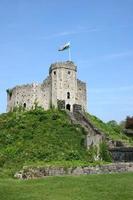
[[92, 187]]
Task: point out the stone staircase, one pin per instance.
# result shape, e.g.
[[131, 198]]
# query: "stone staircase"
[[119, 151], [93, 136]]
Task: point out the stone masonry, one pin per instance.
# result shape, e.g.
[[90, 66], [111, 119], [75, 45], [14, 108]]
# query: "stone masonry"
[[41, 172], [60, 89]]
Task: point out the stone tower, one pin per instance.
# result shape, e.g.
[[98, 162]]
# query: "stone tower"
[[64, 84], [60, 89]]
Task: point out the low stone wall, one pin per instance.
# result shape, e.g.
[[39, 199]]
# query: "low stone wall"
[[129, 132], [40, 172], [120, 154]]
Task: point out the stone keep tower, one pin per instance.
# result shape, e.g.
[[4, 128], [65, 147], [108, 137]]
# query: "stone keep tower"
[[61, 89], [64, 84]]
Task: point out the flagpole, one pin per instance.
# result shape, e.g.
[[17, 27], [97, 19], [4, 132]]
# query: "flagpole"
[[69, 51]]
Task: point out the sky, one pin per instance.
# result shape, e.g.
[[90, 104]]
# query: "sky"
[[101, 36]]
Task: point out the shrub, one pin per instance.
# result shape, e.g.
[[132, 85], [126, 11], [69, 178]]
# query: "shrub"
[[104, 152], [91, 154], [73, 155]]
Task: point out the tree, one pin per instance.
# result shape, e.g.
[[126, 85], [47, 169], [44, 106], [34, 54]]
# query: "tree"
[[112, 123]]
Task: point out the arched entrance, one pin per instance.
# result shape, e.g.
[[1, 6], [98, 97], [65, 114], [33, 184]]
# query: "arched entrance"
[[24, 105], [68, 107]]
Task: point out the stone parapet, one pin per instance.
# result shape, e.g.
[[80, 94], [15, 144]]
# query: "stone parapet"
[[67, 65]]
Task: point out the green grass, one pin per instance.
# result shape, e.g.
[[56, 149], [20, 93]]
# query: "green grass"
[[40, 137], [113, 132], [66, 164], [93, 187]]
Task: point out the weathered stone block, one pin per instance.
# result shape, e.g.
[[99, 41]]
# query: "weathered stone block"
[[60, 89]]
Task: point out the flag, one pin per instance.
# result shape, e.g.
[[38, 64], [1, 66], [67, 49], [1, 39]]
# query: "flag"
[[64, 47]]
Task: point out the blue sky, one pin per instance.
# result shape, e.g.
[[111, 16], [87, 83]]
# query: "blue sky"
[[101, 36]]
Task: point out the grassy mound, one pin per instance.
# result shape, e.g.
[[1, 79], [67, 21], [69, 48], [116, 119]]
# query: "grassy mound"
[[37, 135]]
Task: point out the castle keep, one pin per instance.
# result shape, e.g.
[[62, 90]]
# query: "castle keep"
[[60, 89]]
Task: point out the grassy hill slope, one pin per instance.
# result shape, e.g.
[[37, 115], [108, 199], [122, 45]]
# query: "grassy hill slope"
[[114, 132], [44, 136], [33, 136]]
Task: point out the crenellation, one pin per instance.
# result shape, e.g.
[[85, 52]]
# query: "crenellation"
[[61, 85], [66, 65]]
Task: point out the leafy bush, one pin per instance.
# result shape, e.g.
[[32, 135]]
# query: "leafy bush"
[[104, 152], [92, 153]]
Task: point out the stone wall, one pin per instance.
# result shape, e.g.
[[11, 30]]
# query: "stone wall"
[[93, 136], [46, 90], [122, 154], [24, 96], [81, 97], [129, 123], [61, 84], [77, 108], [40, 172], [128, 132], [28, 95], [61, 104], [64, 83]]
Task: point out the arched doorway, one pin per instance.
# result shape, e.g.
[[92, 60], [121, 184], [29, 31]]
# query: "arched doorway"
[[24, 105], [68, 107]]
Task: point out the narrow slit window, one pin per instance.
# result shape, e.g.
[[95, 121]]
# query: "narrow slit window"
[[68, 95]]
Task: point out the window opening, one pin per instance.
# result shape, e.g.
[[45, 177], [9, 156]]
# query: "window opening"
[[68, 95]]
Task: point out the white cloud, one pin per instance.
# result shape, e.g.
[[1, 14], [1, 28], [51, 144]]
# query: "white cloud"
[[69, 32]]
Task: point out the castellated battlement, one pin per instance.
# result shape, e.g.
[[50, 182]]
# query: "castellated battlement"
[[60, 89], [66, 65]]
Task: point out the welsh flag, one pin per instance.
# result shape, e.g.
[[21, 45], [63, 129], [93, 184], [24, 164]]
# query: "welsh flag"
[[64, 47]]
